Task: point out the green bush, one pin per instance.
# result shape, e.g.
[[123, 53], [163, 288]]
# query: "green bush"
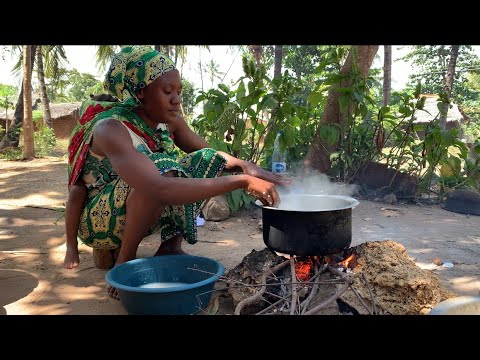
[[11, 154], [238, 199], [37, 115], [471, 132], [45, 141]]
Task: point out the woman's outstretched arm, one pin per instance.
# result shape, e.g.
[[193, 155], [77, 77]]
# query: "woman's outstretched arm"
[[187, 140], [138, 171]]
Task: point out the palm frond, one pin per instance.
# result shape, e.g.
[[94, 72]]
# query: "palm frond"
[[17, 68], [55, 59], [105, 55]]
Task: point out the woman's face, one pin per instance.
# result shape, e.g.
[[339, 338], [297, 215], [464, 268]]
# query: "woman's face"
[[161, 99]]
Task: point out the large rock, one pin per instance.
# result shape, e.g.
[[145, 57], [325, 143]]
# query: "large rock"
[[463, 201], [217, 208], [376, 178]]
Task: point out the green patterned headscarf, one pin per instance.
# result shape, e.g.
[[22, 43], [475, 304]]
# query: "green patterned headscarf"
[[132, 69]]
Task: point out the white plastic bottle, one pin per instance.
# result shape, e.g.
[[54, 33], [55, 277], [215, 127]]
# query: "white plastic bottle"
[[279, 158]]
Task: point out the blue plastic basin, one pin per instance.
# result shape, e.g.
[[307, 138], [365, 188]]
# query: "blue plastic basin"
[[183, 289]]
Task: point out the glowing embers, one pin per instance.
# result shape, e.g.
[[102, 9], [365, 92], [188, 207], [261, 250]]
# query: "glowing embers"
[[305, 265]]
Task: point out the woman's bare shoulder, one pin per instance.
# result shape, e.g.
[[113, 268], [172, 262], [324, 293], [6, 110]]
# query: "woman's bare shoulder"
[[110, 134], [106, 125]]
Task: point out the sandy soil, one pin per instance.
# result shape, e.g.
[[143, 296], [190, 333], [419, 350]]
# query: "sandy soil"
[[32, 243]]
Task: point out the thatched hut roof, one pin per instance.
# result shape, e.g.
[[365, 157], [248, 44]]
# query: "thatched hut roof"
[[56, 110], [431, 111]]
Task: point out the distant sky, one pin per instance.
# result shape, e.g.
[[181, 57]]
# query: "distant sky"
[[229, 60]]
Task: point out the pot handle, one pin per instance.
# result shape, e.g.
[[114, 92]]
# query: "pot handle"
[[260, 204], [355, 202]]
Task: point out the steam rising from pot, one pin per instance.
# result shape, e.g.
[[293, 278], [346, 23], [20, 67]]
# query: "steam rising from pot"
[[313, 183]]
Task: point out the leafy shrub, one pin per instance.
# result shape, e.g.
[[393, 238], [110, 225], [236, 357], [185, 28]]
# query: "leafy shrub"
[[238, 199], [11, 154], [45, 141]]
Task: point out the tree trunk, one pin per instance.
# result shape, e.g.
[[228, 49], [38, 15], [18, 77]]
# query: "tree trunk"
[[449, 83], [157, 48], [47, 118], [7, 122], [257, 53], [277, 73], [201, 68], [176, 55], [387, 74], [28, 147], [13, 135], [318, 156], [298, 73], [181, 68], [166, 49]]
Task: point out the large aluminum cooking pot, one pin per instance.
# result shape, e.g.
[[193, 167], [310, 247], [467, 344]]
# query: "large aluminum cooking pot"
[[309, 224]]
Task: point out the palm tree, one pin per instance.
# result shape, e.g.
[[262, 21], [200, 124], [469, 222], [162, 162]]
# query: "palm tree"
[[105, 55], [47, 118], [54, 56], [182, 53], [212, 68], [28, 145], [11, 138]]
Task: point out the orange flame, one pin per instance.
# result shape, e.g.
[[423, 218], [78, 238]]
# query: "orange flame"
[[349, 262]]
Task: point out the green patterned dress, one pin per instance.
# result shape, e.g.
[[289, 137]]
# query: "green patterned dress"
[[103, 219]]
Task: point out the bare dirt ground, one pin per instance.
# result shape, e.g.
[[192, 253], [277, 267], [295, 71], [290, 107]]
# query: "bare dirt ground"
[[32, 243]]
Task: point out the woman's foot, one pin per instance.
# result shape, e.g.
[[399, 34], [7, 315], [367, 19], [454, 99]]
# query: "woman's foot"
[[167, 251], [171, 247], [103, 258], [72, 260], [111, 291]]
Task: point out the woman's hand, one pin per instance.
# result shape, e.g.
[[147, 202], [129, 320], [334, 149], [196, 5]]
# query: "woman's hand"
[[263, 190], [251, 169]]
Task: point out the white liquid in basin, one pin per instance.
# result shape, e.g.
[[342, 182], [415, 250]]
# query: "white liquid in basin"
[[162, 285]]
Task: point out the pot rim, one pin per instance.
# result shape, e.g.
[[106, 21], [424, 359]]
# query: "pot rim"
[[353, 203]]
